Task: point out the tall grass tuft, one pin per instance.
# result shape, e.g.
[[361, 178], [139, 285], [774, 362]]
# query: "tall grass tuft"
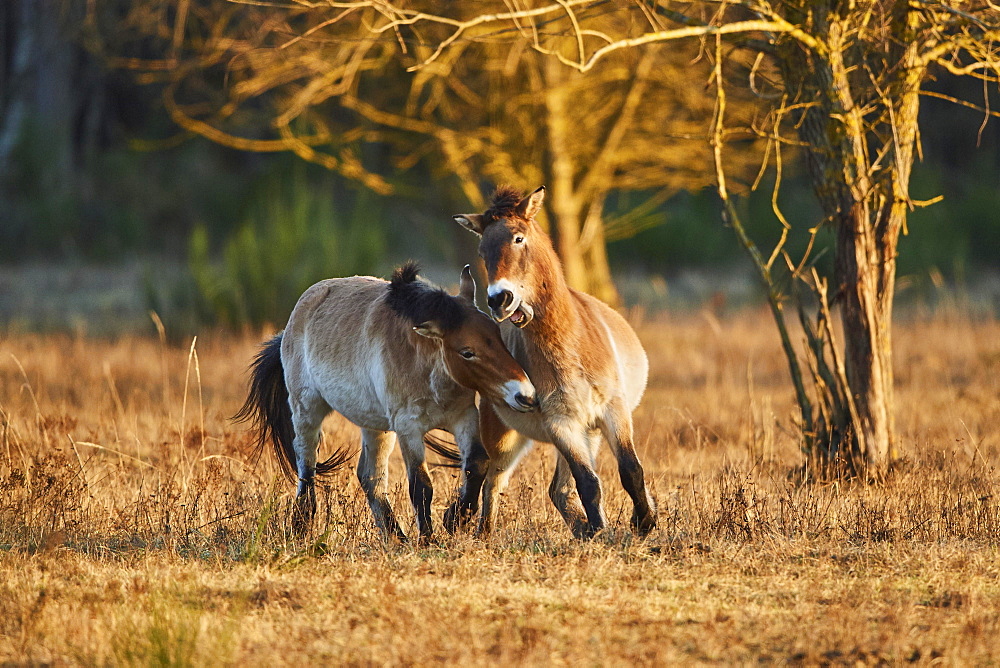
[[173, 634]]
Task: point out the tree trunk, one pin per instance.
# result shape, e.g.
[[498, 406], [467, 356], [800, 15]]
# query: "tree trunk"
[[16, 58], [585, 261], [595, 258], [862, 142], [38, 81], [562, 200], [867, 240], [865, 276], [566, 225]]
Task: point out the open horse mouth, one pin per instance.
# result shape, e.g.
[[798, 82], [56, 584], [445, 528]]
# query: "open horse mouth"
[[522, 315], [506, 303]]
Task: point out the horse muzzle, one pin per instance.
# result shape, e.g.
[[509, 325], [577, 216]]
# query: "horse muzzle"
[[505, 304], [522, 315], [521, 396], [502, 304]]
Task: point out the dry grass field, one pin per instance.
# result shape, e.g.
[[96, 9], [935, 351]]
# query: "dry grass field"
[[136, 529]]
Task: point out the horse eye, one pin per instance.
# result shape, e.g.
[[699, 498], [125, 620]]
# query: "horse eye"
[[467, 354], [519, 239]]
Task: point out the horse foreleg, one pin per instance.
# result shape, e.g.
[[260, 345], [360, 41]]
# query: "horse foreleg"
[[475, 466], [574, 447], [421, 490], [504, 447], [617, 428], [373, 474], [562, 492], [494, 485]]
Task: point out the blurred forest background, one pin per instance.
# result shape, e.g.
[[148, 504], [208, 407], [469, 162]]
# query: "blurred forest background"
[[113, 202]]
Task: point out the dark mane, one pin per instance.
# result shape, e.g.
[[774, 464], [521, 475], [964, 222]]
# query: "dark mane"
[[503, 204], [418, 301]]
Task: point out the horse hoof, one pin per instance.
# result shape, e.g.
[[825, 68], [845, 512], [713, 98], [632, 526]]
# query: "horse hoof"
[[586, 531], [300, 526], [302, 519], [451, 521], [429, 540], [457, 518], [642, 526], [484, 531]]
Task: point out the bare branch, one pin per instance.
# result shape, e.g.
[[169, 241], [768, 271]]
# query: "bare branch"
[[576, 28], [316, 28], [785, 226], [962, 103], [210, 132], [776, 25]]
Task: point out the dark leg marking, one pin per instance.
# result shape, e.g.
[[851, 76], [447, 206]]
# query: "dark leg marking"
[[464, 508], [421, 493], [589, 487], [633, 480], [305, 506]]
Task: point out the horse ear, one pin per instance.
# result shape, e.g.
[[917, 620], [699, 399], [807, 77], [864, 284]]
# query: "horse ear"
[[529, 207], [430, 329], [467, 286], [470, 221]]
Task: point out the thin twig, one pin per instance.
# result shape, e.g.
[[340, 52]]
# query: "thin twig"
[[774, 297]]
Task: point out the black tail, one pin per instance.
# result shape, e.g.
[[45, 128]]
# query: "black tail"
[[268, 411], [444, 448]]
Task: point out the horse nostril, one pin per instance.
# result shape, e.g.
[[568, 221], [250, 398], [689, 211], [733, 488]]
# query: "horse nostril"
[[500, 300]]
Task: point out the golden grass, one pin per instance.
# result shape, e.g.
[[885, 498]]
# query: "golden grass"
[[134, 529]]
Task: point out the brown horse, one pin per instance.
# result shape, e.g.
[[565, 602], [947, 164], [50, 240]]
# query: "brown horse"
[[403, 357], [584, 359]]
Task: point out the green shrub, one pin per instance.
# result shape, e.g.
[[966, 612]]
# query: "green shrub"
[[292, 238]]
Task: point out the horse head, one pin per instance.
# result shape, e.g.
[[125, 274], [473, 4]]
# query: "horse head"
[[518, 254], [470, 343]]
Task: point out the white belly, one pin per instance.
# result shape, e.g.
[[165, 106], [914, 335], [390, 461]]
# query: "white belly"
[[399, 414], [363, 408]]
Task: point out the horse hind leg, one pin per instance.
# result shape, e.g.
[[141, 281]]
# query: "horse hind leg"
[[373, 474], [576, 448], [308, 411], [617, 428]]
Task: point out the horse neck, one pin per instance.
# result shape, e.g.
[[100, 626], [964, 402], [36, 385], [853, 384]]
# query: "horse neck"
[[442, 385], [556, 323], [421, 356]]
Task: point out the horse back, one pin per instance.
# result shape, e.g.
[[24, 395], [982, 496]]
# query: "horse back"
[[335, 319], [344, 343]]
